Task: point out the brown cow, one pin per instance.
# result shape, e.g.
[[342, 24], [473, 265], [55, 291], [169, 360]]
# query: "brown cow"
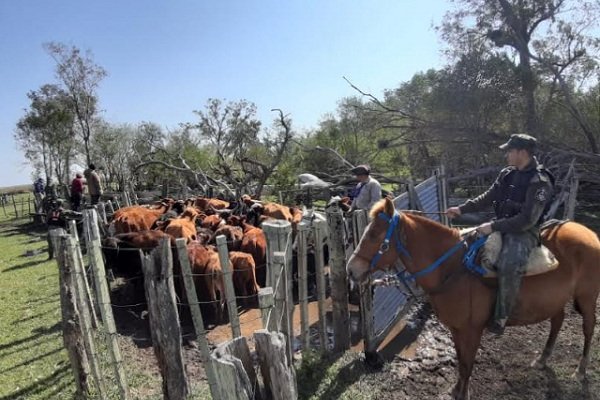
[[212, 222], [184, 226], [137, 218], [204, 204], [233, 234], [254, 242], [208, 277], [244, 277]]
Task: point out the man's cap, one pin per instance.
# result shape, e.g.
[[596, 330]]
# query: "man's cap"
[[519, 141], [361, 170], [92, 166]]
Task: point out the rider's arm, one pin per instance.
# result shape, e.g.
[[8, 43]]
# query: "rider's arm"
[[485, 199]]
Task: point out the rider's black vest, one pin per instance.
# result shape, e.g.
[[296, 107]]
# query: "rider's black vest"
[[513, 190]]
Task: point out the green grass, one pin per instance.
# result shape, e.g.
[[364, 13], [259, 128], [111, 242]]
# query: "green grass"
[[344, 378], [33, 361]]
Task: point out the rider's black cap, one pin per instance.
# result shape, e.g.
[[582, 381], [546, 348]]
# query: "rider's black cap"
[[520, 141]]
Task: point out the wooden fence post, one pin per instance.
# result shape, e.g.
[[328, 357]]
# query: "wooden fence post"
[[235, 370], [92, 235], [111, 208], [302, 255], [192, 297], [102, 212], [282, 300], [279, 239], [360, 221], [71, 321], [75, 262], [366, 316], [227, 269], [277, 371], [267, 311], [339, 279], [84, 279], [320, 233], [164, 321], [15, 206], [442, 193]]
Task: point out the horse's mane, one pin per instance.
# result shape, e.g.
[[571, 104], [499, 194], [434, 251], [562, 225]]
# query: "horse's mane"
[[429, 224]]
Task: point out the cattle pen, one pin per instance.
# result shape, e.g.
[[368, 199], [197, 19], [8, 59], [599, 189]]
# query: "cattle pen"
[[252, 356]]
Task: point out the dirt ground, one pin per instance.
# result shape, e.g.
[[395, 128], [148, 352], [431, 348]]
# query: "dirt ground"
[[420, 360]]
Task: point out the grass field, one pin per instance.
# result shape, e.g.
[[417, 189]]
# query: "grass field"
[[33, 361]]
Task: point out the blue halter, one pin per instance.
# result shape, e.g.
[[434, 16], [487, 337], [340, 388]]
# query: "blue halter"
[[393, 222], [406, 276]]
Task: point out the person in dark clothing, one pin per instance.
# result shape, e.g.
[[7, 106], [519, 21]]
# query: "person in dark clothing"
[[55, 220], [520, 197]]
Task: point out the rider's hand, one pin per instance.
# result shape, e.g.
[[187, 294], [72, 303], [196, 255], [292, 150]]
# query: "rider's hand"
[[453, 212], [485, 229]]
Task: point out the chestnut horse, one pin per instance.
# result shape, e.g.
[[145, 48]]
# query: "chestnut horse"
[[464, 302]]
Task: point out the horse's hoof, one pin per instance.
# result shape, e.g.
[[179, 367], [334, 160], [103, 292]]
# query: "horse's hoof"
[[373, 360]]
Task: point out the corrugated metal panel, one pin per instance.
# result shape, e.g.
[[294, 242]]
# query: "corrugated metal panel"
[[388, 302]]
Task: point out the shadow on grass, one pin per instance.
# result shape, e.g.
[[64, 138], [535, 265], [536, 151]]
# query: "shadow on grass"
[[27, 264], [32, 360], [37, 333], [40, 385]]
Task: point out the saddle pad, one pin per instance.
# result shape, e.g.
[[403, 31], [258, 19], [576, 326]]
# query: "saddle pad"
[[541, 260]]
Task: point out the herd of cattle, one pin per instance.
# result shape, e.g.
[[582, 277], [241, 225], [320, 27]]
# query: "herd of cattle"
[[199, 221]]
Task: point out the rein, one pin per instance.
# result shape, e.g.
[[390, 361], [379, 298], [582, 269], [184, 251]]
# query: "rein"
[[407, 277]]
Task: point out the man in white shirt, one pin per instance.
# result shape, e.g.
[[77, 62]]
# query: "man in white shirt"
[[367, 191]]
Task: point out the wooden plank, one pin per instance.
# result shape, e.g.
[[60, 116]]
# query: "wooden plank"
[[92, 234], [320, 233], [245, 379], [277, 372], [267, 309], [367, 317], [339, 280], [281, 299], [75, 262], [192, 298], [227, 269], [164, 321], [279, 239], [71, 325], [84, 279], [302, 237]]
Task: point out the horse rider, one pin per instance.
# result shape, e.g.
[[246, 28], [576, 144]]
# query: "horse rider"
[[520, 197]]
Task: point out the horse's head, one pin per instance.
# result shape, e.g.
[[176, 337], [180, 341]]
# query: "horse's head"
[[379, 245]]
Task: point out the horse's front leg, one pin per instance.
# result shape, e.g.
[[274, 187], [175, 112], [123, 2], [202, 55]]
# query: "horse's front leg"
[[466, 343]]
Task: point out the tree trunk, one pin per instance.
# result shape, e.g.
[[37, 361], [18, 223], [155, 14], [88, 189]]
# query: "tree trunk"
[[528, 86]]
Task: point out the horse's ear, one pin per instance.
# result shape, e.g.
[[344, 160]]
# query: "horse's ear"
[[389, 207]]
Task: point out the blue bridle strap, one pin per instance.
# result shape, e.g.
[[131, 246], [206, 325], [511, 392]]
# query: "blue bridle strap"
[[393, 222], [405, 276]]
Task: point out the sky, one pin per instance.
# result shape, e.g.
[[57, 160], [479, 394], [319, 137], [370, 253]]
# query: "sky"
[[165, 59]]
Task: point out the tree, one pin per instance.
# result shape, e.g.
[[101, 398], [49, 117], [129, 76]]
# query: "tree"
[[81, 78], [549, 37], [45, 133]]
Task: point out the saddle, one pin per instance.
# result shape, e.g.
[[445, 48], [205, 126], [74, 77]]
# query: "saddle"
[[541, 259]]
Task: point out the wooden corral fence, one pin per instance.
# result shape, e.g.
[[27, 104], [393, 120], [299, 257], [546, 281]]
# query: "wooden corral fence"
[[17, 206]]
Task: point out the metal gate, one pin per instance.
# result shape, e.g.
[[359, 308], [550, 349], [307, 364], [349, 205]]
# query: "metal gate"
[[383, 306]]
